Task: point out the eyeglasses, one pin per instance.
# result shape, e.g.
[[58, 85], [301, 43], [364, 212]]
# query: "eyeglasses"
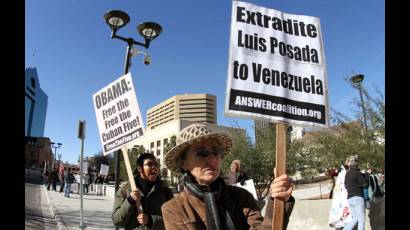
[[152, 165], [205, 153]]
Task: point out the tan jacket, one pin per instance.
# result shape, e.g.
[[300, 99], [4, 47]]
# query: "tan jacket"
[[186, 211]]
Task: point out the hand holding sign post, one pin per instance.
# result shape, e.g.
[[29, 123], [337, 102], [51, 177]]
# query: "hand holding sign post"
[[279, 205], [131, 176]]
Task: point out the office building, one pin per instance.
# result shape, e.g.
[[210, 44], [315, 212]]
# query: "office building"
[[190, 107], [35, 105]]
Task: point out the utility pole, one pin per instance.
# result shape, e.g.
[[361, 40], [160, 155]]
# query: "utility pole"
[[81, 135]]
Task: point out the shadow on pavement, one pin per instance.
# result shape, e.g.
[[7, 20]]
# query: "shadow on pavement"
[[35, 219], [92, 219]]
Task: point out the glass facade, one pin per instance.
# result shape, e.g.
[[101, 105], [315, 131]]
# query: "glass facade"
[[35, 105]]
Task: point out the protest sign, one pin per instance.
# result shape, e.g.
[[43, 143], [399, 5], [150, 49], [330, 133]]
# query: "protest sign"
[[118, 115], [339, 210], [104, 169], [277, 69]]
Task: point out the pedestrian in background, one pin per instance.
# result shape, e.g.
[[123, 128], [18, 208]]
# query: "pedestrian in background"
[[237, 174], [377, 202], [53, 178], [48, 180], [61, 178], [354, 183], [91, 181], [46, 177], [206, 201], [77, 179], [333, 172], [366, 195], [85, 182], [99, 183], [151, 194], [68, 179]]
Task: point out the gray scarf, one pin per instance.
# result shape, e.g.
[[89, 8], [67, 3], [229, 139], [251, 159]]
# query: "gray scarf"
[[217, 217]]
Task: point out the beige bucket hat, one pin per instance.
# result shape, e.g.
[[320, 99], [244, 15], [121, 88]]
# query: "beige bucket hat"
[[192, 134], [353, 160]]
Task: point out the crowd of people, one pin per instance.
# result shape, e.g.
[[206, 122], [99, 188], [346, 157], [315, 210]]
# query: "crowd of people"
[[69, 177], [208, 200], [358, 190]]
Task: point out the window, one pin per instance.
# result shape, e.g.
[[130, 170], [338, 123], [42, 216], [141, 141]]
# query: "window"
[[158, 152], [165, 145], [158, 144], [33, 83]]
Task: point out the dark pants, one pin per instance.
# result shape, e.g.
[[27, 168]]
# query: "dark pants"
[[62, 186], [54, 183], [85, 188], [48, 184]]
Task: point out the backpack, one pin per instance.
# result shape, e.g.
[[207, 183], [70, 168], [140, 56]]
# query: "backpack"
[[374, 188]]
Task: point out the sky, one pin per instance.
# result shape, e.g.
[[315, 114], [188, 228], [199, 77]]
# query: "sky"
[[69, 44]]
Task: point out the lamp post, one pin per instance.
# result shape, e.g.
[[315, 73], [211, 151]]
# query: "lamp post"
[[357, 82], [116, 19], [55, 146], [59, 162]]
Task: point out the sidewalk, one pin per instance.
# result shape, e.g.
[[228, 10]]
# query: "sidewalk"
[[96, 210]]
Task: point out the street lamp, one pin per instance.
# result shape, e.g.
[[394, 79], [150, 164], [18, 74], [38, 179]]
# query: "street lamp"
[[55, 146], [357, 82], [116, 19]]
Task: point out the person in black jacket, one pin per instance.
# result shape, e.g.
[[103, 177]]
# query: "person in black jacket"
[[99, 180], [141, 208], [354, 183]]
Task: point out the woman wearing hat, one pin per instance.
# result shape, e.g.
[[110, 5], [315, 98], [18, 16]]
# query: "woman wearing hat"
[[152, 193], [237, 174], [354, 183], [206, 201]]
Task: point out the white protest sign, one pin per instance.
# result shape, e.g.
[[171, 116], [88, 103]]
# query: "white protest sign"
[[118, 115], [339, 214], [248, 185], [277, 68], [104, 169], [85, 166], [77, 178]]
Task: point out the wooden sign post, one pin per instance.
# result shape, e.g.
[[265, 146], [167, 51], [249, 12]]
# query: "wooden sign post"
[[279, 205], [130, 175]]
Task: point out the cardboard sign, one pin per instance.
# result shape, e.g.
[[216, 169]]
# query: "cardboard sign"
[[339, 210], [277, 68], [118, 114], [104, 169]]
